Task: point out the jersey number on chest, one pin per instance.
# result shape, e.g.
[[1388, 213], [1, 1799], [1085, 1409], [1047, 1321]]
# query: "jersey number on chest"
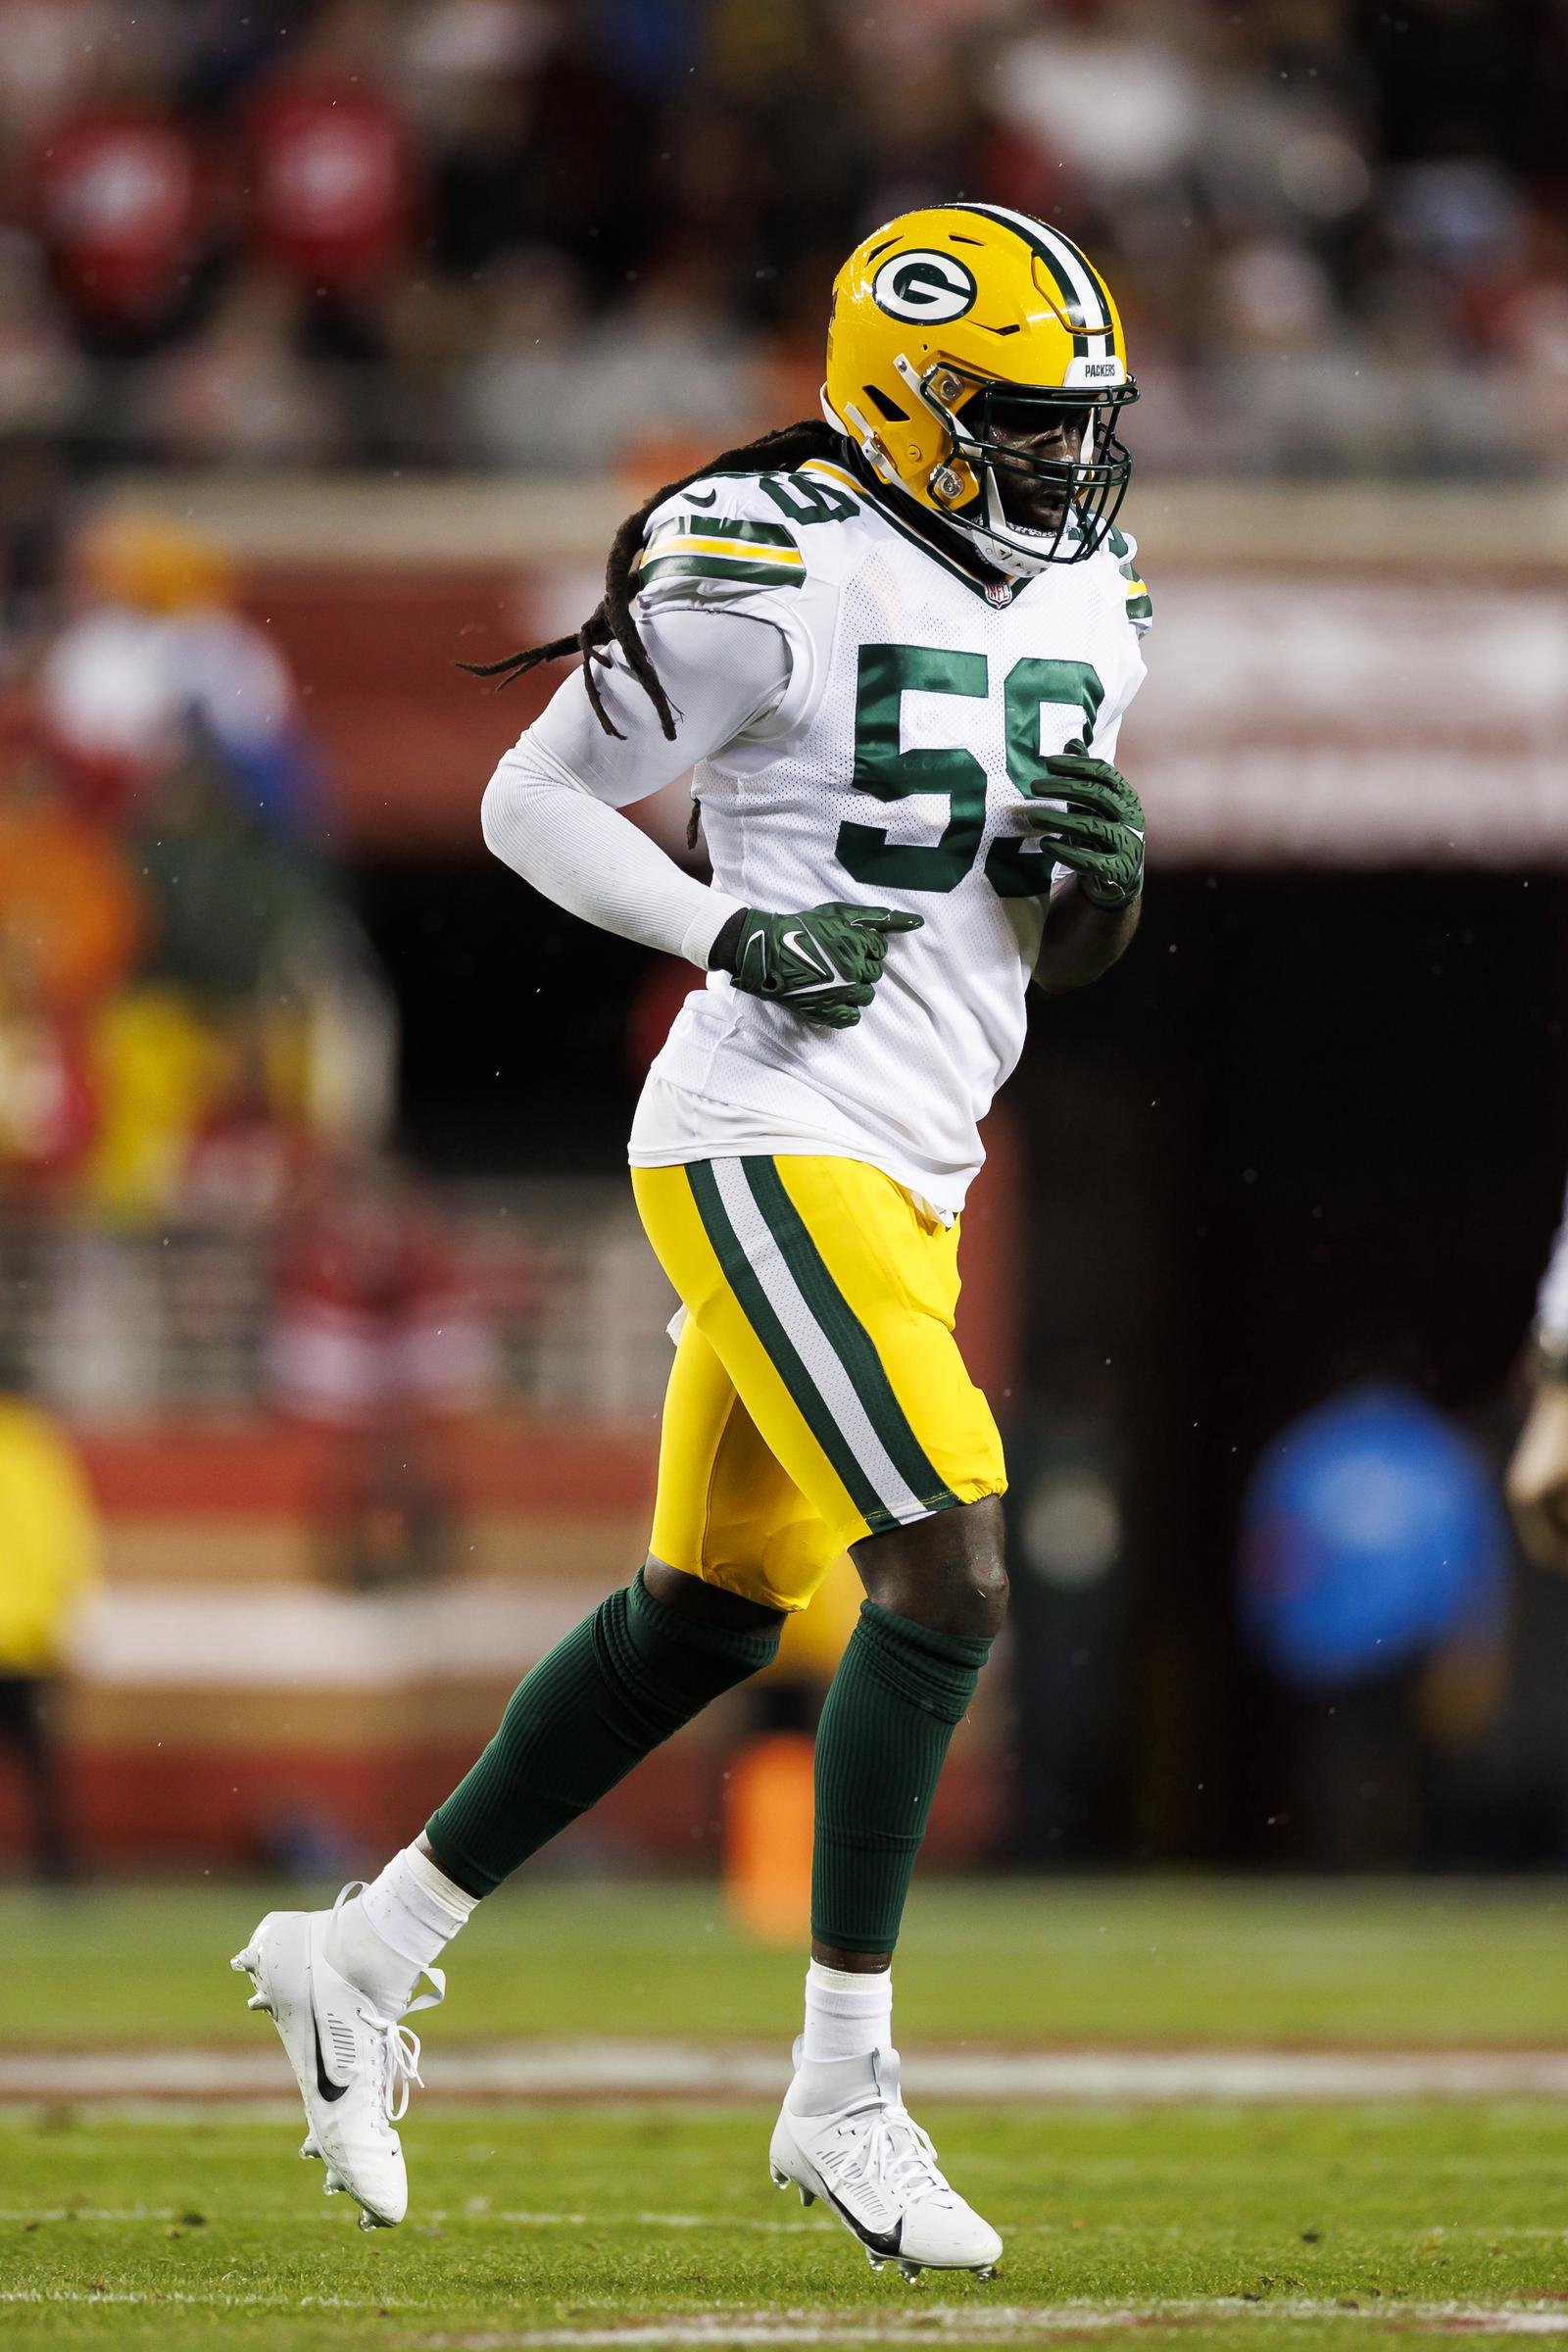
[[887, 672]]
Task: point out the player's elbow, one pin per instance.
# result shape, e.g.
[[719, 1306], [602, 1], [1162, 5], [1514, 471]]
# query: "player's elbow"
[[514, 815], [500, 817]]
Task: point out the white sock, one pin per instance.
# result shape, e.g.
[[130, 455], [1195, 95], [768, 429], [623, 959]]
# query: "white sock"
[[401, 1923], [848, 2014]]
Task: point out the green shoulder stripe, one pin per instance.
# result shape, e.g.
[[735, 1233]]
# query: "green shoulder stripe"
[[757, 575]]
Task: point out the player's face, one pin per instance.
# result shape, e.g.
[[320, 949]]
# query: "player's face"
[[1045, 437]]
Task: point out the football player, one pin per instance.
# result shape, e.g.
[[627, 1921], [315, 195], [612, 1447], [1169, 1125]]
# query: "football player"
[[898, 645]]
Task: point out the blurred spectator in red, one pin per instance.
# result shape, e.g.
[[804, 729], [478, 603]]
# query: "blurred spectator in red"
[[49, 1111], [332, 168], [249, 1151], [376, 1319], [130, 206], [377, 1334]]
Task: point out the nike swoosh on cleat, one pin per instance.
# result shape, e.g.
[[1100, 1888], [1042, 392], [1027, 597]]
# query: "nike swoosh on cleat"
[[880, 2241], [324, 2083]]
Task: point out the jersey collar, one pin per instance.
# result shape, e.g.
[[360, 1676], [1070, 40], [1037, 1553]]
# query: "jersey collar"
[[950, 548]]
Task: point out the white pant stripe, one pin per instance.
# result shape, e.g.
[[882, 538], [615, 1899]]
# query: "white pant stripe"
[[817, 1351]]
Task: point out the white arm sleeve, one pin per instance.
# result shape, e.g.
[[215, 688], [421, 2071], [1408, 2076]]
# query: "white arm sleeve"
[[1552, 1307], [551, 809]]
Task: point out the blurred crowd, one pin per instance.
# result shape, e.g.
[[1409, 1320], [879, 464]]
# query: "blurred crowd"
[[564, 233], [177, 965], [194, 1036]]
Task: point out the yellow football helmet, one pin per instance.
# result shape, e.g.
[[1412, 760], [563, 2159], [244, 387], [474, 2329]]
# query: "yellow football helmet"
[[950, 323]]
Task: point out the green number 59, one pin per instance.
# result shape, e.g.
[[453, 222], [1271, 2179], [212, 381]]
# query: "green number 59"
[[887, 674]]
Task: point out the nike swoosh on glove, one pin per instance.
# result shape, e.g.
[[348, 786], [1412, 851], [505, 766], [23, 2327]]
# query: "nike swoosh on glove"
[[823, 964]]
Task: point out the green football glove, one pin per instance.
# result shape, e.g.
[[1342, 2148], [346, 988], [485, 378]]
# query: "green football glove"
[[823, 965], [1099, 831]]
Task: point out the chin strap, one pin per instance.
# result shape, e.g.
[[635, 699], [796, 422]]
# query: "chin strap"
[[868, 445]]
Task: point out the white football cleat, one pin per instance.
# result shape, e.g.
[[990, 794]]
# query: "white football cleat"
[[354, 2066], [845, 2135]]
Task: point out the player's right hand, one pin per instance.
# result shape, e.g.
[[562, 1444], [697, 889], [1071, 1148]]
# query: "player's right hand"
[[1091, 821], [1537, 1482], [823, 964]]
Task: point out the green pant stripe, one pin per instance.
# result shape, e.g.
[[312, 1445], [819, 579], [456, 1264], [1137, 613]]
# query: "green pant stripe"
[[848, 1335], [781, 1350]]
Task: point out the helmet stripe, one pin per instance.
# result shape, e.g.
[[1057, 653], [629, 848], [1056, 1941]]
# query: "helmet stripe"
[[1076, 280]]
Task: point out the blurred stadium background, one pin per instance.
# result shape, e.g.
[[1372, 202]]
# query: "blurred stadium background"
[[334, 340]]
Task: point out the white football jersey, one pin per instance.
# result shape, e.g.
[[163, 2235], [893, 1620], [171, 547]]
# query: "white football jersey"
[[894, 771]]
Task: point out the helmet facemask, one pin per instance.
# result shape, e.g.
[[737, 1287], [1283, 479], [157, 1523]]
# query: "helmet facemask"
[[969, 486]]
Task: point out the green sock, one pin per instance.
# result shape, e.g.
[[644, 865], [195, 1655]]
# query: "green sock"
[[880, 1746], [629, 1676]]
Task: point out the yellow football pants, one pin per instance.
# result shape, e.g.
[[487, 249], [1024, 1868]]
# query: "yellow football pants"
[[818, 1394]]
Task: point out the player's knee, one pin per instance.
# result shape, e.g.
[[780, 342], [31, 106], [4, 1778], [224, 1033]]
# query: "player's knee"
[[947, 1573], [976, 1601]]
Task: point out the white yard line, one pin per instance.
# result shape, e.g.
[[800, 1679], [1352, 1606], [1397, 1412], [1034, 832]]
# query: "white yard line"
[[716, 2072], [1012, 2323], [88, 2213], [438, 2215], [480, 2212], [966, 2323], [219, 2299]]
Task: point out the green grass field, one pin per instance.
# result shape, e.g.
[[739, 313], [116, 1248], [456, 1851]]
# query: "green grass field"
[[655, 2224], [1166, 1960]]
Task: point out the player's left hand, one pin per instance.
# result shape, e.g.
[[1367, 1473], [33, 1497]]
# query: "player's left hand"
[[1537, 1483], [1096, 831]]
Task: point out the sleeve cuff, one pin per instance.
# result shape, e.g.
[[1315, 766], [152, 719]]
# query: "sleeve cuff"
[[697, 945]]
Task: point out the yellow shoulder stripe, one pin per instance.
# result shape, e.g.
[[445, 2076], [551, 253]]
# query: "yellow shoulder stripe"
[[740, 551], [836, 473]]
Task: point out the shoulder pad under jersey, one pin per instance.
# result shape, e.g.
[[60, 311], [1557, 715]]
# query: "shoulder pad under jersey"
[[729, 535]]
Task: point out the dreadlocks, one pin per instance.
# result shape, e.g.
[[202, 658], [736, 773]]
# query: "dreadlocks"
[[611, 618]]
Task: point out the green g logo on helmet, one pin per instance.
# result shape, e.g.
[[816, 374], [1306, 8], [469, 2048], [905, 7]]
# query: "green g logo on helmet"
[[925, 288]]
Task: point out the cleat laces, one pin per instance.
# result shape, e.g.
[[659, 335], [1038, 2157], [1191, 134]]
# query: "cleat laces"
[[397, 2050], [400, 2065], [891, 2153], [399, 2055], [400, 2049]]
